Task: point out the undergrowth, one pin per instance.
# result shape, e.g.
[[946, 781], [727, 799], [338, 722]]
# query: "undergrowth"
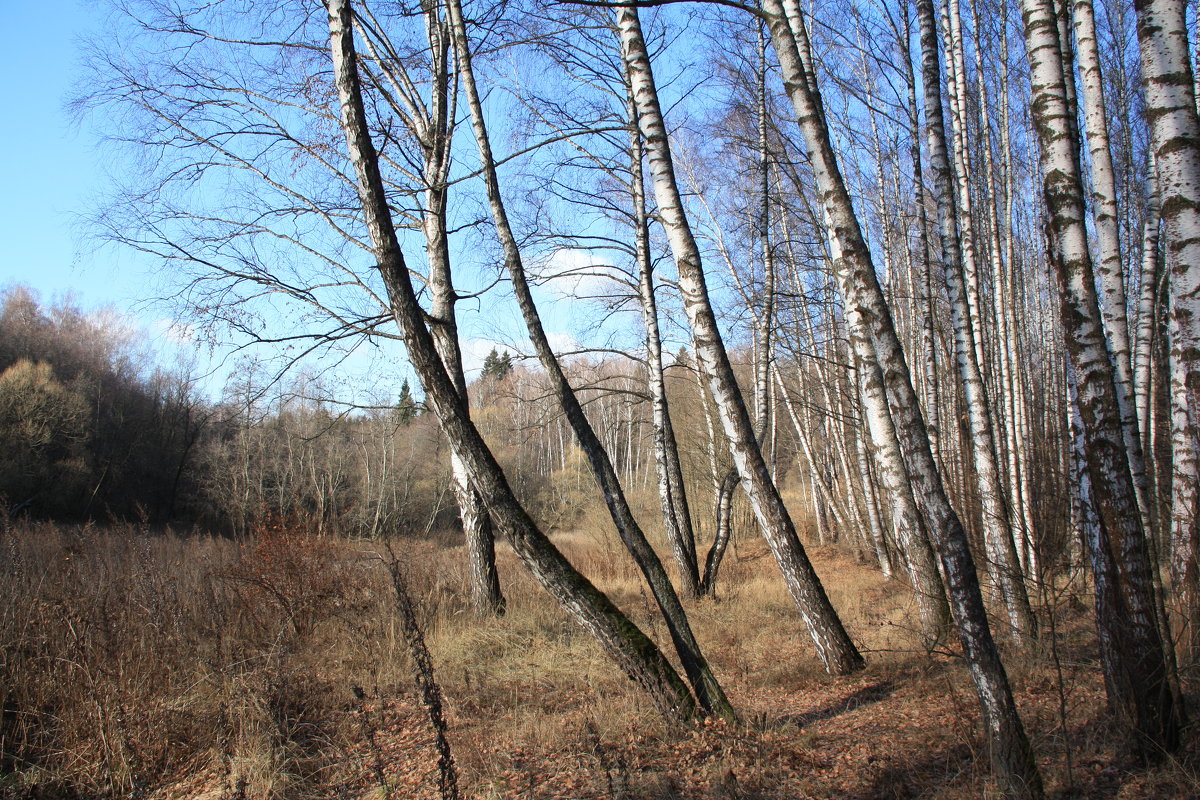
[[138, 664]]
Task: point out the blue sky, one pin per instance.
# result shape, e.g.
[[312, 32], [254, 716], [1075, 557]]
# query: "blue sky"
[[53, 172], [51, 169]]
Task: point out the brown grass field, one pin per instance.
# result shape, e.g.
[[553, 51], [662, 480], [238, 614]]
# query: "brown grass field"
[[159, 666]]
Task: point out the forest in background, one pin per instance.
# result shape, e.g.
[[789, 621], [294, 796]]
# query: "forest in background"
[[101, 432], [916, 278]]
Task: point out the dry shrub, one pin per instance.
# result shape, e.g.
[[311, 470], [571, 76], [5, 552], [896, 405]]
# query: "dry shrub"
[[133, 663], [94, 632], [302, 580], [127, 659]]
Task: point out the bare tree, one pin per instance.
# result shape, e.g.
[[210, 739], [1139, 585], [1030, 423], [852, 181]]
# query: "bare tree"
[[1135, 665], [626, 643], [1010, 750], [708, 689], [834, 646], [996, 520]]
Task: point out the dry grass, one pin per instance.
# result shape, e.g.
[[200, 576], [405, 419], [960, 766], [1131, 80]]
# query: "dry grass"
[[138, 665]]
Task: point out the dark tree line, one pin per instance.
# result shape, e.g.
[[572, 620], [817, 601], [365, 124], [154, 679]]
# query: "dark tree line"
[[90, 428]]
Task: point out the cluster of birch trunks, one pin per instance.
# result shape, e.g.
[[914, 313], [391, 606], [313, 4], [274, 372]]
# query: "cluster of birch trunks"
[[969, 272]]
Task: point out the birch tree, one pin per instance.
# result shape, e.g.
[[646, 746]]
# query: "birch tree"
[[1011, 754], [431, 126], [996, 521], [834, 646], [708, 689], [1171, 109], [1111, 261], [624, 642], [1135, 666]]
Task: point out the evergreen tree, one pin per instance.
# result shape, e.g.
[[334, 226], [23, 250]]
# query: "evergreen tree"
[[406, 407], [497, 365]]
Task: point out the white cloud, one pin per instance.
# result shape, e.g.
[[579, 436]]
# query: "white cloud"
[[573, 273]]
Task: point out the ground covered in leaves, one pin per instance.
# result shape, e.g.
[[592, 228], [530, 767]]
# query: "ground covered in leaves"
[[535, 710]]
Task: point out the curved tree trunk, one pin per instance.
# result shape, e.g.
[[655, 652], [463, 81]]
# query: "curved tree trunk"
[[716, 552], [708, 690], [834, 646], [1011, 754], [633, 651]]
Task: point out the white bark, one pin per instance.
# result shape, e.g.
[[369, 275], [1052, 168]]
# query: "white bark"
[[622, 640], [1171, 108], [834, 646], [997, 528], [708, 690], [1136, 670], [1010, 750], [1110, 263]]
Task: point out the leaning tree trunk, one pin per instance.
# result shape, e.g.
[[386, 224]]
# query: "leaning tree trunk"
[[997, 527], [625, 643], [677, 515], [834, 646], [1011, 754], [1136, 673], [708, 690]]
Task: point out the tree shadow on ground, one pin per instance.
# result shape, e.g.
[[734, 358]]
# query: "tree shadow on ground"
[[864, 696], [894, 780]]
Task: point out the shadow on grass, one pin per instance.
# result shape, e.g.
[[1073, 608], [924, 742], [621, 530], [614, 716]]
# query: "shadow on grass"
[[864, 696]]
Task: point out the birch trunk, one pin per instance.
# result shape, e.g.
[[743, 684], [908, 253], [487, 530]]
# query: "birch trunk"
[[1171, 108], [1185, 511], [486, 595], [960, 160], [625, 643], [834, 646], [919, 558], [997, 526], [708, 690], [1137, 678], [925, 256], [1004, 412], [1147, 313], [1016, 393], [1011, 754], [677, 516], [431, 127], [1110, 263], [763, 326]]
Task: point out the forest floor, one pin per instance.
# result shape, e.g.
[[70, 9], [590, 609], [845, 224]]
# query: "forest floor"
[[535, 710], [905, 727]]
